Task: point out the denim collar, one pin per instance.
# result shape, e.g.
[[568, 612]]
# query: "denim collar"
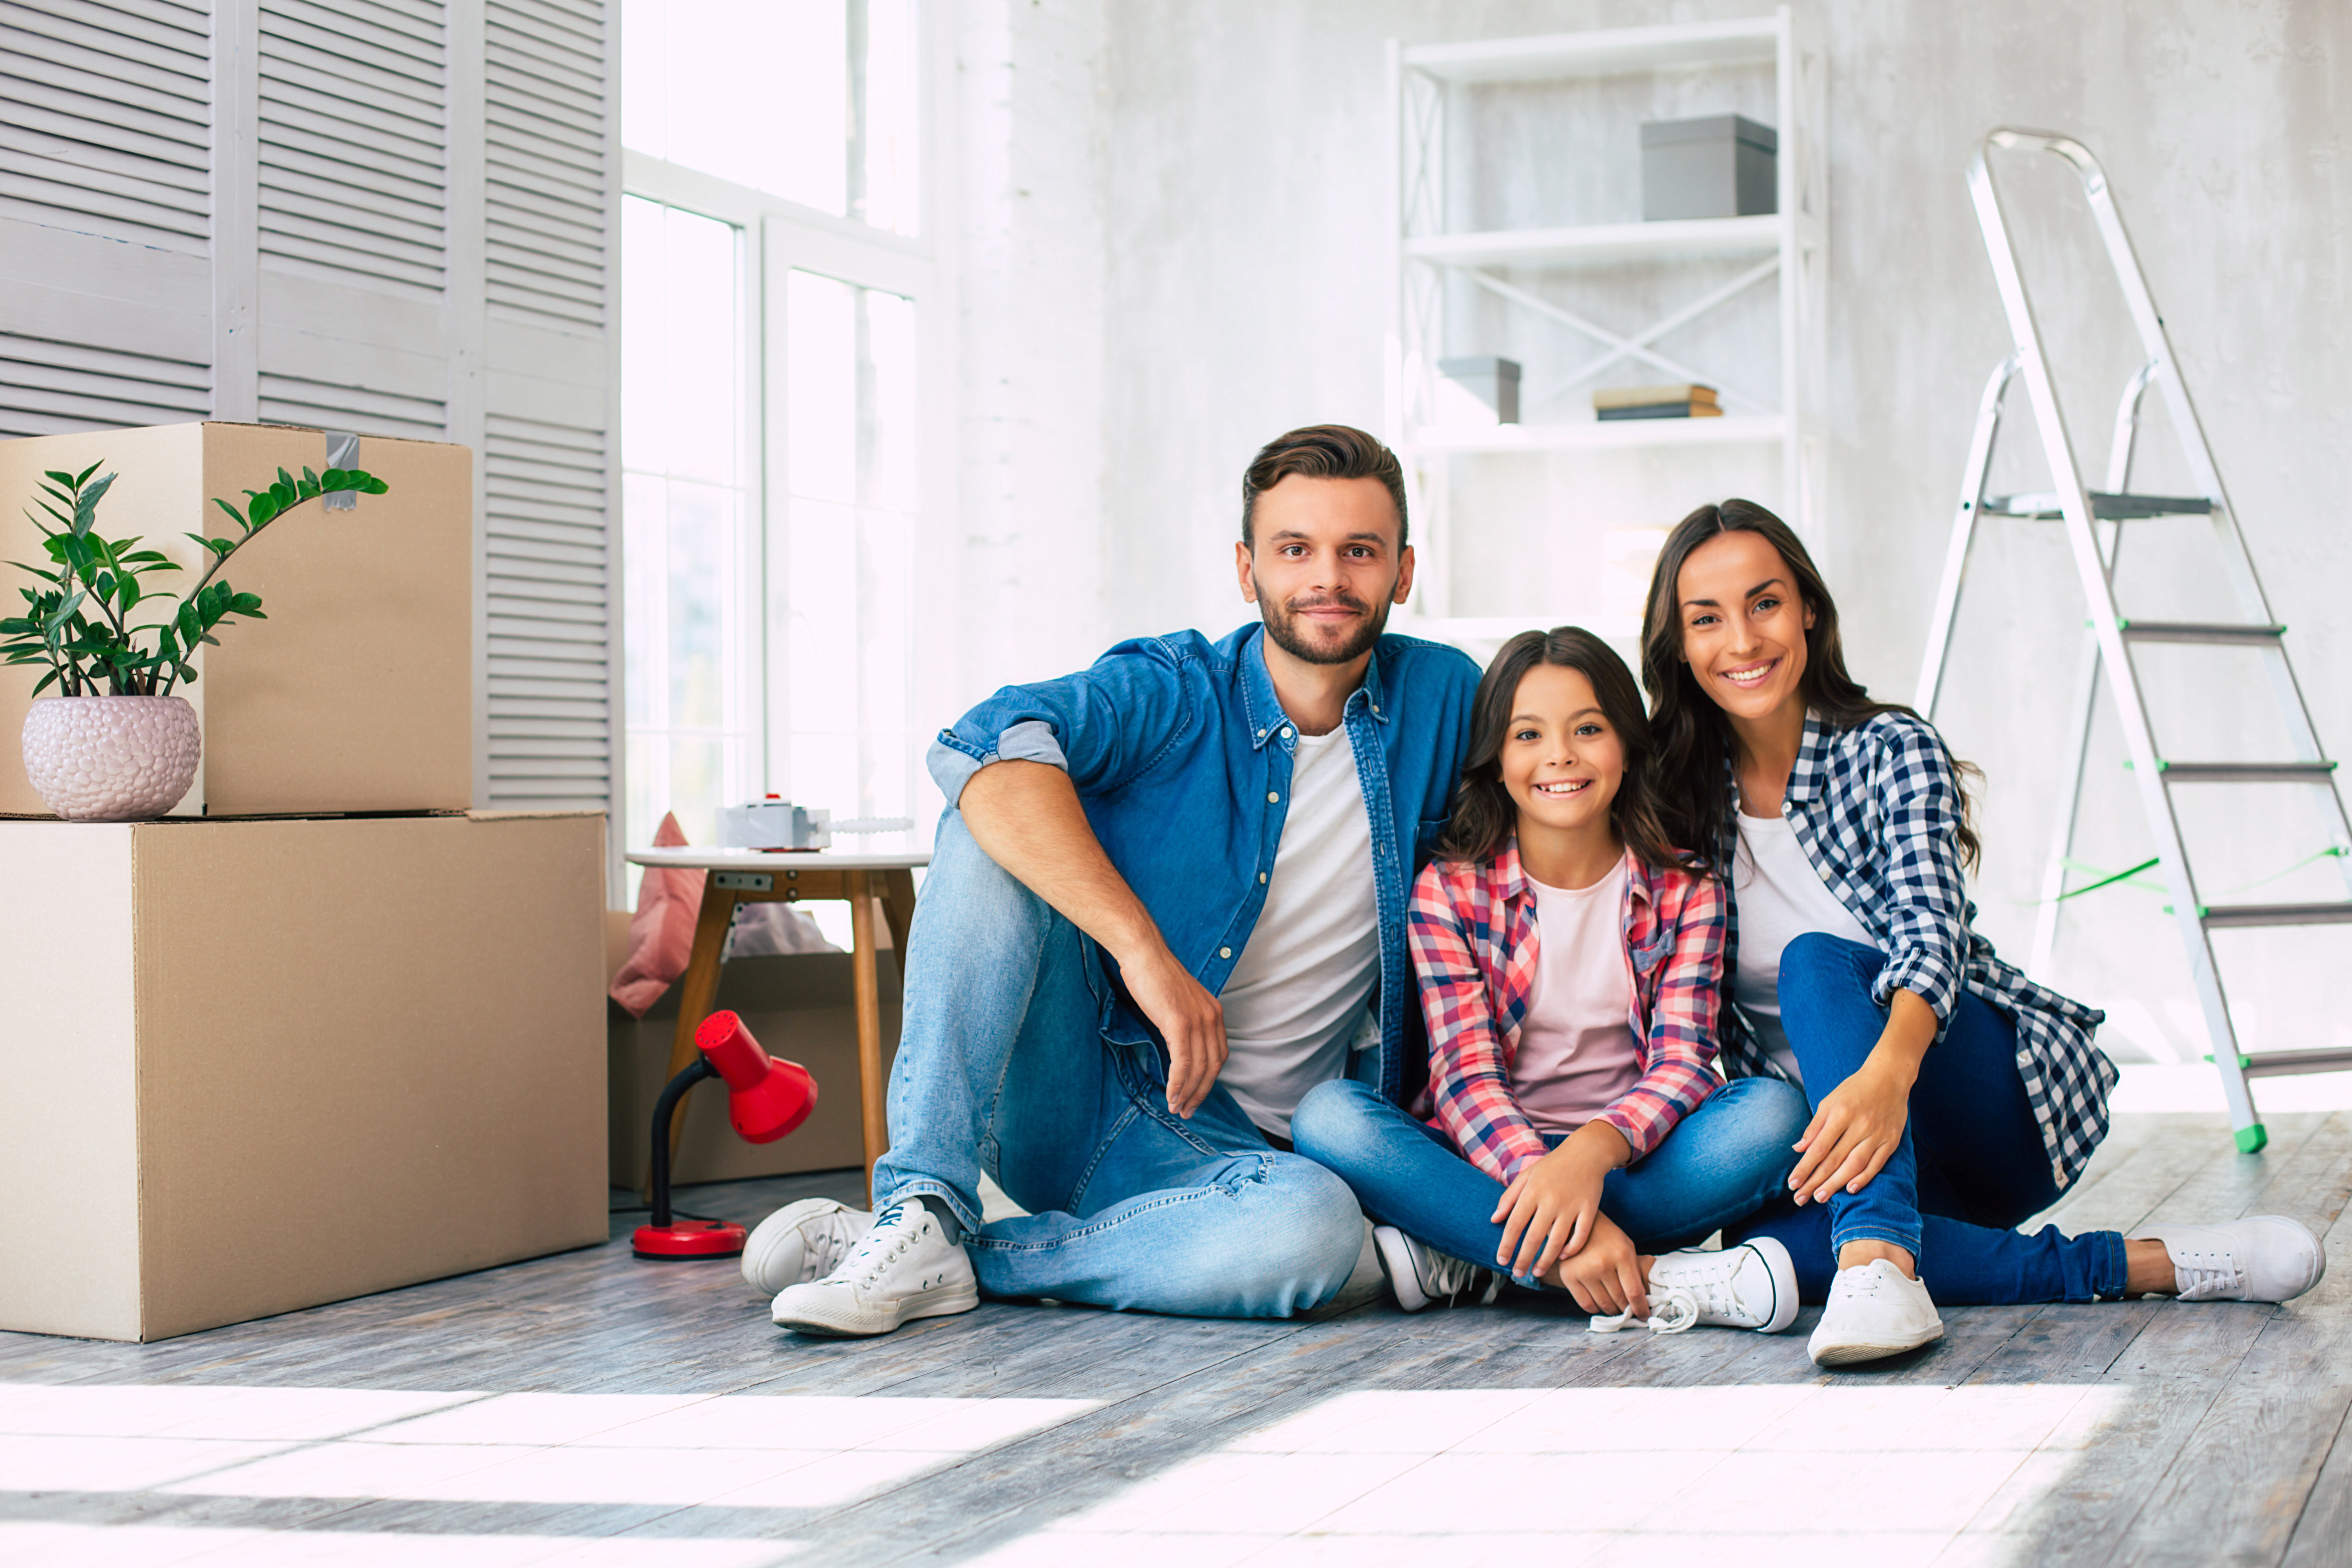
[[1263, 709]]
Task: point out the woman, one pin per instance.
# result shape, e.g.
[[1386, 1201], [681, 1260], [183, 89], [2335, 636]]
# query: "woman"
[[1951, 1097], [1568, 961]]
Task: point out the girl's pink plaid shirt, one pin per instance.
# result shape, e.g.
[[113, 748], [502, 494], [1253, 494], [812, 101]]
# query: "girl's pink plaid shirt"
[[1472, 931]]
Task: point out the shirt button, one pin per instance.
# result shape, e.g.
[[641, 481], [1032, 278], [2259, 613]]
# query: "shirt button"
[[1261, 734], [1285, 735], [1261, 876], [1225, 953], [1272, 798]]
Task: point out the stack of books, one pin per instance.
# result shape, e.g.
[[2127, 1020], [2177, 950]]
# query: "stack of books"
[[1678, 401]]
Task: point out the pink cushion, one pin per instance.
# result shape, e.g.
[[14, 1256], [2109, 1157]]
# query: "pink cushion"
[[661, 933]]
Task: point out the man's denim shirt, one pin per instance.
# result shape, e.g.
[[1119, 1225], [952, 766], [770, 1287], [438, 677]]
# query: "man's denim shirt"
[[1182, 756]]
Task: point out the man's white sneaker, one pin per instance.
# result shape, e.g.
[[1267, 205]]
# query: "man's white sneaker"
[[1751, 1286], [2263, 1257], [1422, 1275], [1874, 1310], [901, 1269], [801, 1242]]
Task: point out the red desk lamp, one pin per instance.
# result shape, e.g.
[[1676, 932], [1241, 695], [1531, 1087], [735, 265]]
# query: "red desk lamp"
[[765, 1100]]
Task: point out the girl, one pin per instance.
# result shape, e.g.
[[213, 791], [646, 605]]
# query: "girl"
[[1951, 1097], [1568, 962]]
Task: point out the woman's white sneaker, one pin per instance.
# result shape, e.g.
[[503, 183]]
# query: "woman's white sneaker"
[[902, 1268], [1874, 1310], [801, 1242], [1421, 1276], [1751, 1286], [2264, 1257]]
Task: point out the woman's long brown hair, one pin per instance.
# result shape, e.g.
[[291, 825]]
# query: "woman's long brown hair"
[[1694, 739], [1486, 817]]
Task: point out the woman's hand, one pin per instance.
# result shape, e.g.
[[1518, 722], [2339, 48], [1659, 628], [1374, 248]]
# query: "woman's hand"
[[1860, 1123], [1550, 1210], [1606, 1276]]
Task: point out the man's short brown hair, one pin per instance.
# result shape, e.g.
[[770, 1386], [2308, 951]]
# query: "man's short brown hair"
[[1321, 452]]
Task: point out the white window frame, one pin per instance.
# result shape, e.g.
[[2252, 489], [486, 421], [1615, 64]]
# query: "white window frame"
[[777, 238]]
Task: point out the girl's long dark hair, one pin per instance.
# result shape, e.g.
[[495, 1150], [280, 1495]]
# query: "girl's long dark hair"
[[1693, 738], [1485, 817]]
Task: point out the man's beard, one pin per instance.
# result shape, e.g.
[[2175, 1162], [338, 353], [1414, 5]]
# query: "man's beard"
[[1281, 626]]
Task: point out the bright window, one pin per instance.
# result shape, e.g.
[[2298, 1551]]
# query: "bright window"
[[690, 650], [783, 410]]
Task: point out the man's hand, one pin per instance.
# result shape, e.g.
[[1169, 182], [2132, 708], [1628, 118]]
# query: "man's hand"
[[1027, 818], [1606, 1276], [1860, 1122], [1191, 1021], [1550, 1210]]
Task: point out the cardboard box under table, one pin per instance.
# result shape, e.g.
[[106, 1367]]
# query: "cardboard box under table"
[[356, 693], [258, 1065], [801, 1006]]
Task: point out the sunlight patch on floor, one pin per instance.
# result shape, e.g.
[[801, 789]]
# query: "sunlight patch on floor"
[[1807, 1473]]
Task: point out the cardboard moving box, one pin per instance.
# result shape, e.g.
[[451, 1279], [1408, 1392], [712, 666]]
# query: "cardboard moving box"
[[798, 1007], [259, 1066], [357, 692]]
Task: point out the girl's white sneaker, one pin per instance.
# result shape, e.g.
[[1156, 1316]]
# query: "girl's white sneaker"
[[1421, 1276], [1751, 1286], [1874, 1310], [2263, 1257]]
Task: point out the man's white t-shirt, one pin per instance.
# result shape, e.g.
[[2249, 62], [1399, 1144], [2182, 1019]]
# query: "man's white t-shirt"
[[1780, 898], [1577, 1053], [1293, 1001]]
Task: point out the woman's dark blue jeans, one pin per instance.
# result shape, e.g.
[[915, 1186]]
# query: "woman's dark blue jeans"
[[1722, 1161], [1972, 1164]]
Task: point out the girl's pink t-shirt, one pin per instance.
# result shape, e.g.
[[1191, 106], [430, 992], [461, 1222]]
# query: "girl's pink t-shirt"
[[1577, 1053]]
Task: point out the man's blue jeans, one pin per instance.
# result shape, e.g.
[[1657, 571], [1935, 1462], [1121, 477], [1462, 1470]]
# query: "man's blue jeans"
[[1972, 1164], [1721, 1164], [1002, 1066]]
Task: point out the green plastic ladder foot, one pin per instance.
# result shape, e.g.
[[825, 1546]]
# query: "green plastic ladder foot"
[[2251, 1139]]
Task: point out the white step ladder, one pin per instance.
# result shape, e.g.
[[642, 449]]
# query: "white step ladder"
[[2095, 520]]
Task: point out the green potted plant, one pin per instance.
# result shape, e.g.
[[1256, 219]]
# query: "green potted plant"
[[114, 744]]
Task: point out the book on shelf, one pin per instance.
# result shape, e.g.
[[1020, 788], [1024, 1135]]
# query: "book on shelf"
[[1610, 397], [1686, 410]]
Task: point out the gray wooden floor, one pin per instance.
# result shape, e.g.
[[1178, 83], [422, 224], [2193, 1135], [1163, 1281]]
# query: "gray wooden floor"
[[2219, 1436]]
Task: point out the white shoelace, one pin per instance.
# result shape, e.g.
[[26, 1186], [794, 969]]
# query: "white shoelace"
[[1449, 1278], [2208, 1276], [894, 1232], [1671, 1311]]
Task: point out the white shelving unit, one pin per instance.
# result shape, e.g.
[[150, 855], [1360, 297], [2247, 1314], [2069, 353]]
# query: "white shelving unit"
[[1777, 423]]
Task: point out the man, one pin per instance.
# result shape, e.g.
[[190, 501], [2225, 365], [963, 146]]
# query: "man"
[[1168, 898]]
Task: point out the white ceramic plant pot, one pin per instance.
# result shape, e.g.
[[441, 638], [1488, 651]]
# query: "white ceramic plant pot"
[[111, 759]]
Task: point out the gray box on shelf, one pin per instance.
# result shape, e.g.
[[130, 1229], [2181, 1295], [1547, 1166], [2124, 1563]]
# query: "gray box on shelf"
[[1492, 380], [1722, 165]]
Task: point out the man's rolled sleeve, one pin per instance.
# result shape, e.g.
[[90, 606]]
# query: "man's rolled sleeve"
[[953, 759]]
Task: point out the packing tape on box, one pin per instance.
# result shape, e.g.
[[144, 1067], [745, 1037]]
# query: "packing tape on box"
[[343, 452]]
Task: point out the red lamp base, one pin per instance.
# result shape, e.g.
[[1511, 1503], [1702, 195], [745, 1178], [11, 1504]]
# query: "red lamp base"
[[688, 1240]]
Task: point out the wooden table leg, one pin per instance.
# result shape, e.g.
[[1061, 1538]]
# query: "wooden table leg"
[[697, 989], [872, 1090], [899, 911]]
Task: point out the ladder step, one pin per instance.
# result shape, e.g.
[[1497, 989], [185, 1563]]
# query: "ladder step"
[[2284, 1064], [2246, 773], [2046, 506], [2225, 915], [2239, 636]]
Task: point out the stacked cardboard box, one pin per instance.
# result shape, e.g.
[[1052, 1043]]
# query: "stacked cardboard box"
[[268, 1055]]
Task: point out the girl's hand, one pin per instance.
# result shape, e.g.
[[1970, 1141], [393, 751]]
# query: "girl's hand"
[[1860, 1123], [1606, 1276], [1549, 1212]]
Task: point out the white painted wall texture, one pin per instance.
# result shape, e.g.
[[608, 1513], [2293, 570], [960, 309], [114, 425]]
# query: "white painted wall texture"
[[1174, 227]]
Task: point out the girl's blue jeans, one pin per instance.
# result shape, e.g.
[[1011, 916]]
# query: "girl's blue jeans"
[[1971, 1165], [1723, 1162]]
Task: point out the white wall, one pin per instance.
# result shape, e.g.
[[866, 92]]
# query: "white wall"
[[1183, 227]]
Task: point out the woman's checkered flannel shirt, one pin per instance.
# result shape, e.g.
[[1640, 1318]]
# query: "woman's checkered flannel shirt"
[[1877, 809]]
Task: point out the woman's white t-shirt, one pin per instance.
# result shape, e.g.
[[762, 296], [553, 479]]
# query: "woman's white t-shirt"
[[1577, 1053], [1780, 896]]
